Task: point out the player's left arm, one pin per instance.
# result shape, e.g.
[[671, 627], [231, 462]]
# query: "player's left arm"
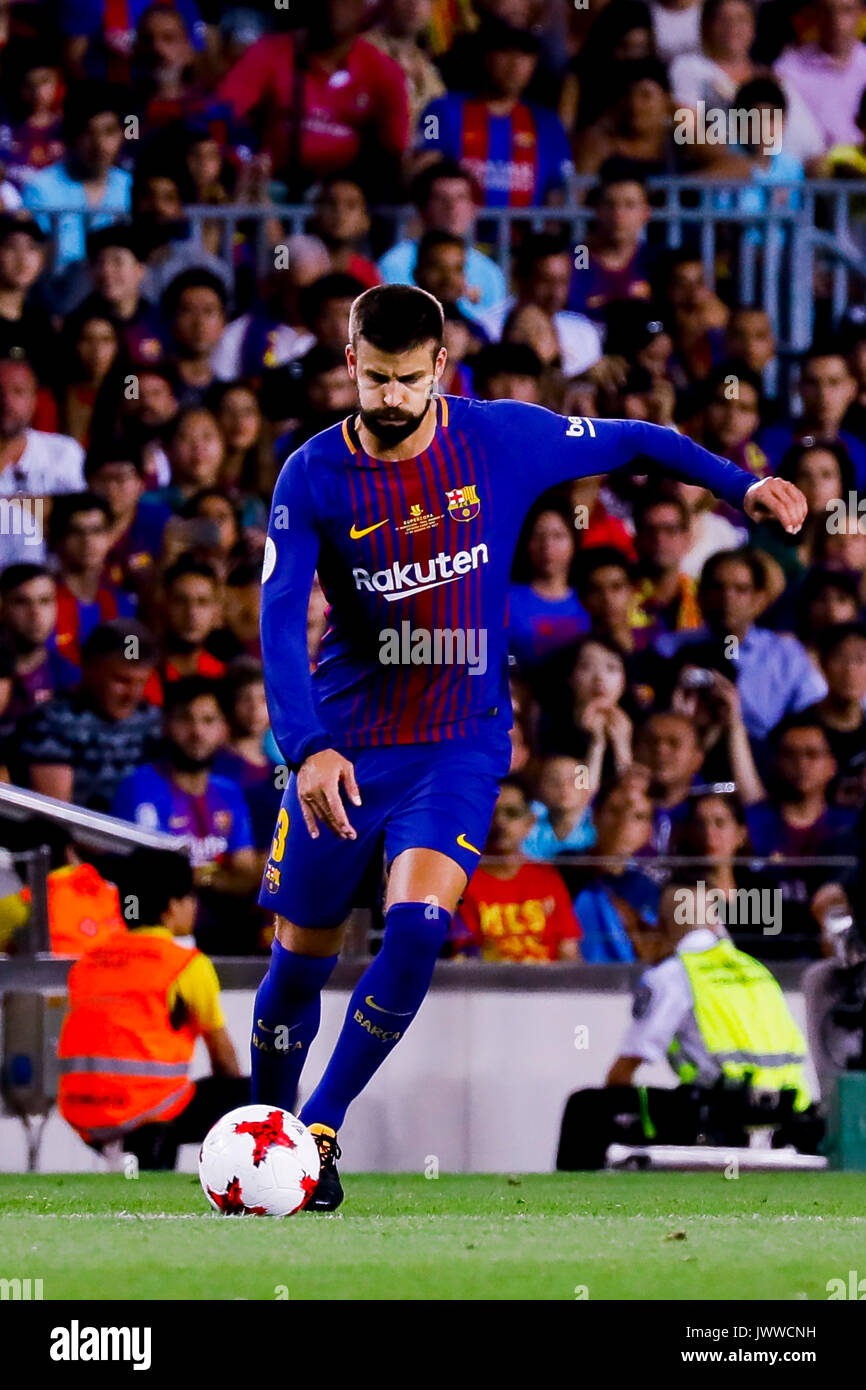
[[565, 447]]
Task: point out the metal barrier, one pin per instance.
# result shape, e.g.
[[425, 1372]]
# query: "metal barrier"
[[774, 249]]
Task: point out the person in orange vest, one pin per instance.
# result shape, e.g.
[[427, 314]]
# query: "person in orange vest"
[[83, 907], [137, 1004]]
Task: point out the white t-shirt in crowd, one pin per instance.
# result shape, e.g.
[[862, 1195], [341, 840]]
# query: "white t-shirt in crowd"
[[676, 31], [50, 464], [695, 78], [580, 343], [714, 533]]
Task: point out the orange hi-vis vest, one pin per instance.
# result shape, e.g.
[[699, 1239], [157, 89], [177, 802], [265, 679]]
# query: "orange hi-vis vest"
[[83, 909], [122, 1064]]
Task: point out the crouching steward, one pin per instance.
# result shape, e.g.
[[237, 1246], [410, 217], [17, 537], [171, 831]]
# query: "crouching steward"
[[720, 1018], [137, 1004]]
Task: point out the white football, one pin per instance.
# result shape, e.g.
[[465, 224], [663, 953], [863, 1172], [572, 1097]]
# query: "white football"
[[258, 1160]]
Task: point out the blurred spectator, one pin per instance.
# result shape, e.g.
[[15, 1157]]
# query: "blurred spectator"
[[79, 745], [512, 910], [617, 261], [708, 531], [342, 220], [167, 244], [244, 758], [542, 275], [797, 821], [694, 315], [668, 746], [80, 537], [749, 337], [194, 309], [714, 74], [585, 719], [827, 389], [507, 371], [192, 614], [731, 416], [118, 274], [196, 453], [665, 596], [312, 126], [90, 345], [676, 27], [248, 464], [25, 328], [34, 138], [87, 179], [613, 899], [825, 475], [116, 473], [517, 153], [637, 125], [165, 68], [440, 266], [774, 674], [28, 619], [181, 795], [830, 74], [443, 194], [401, 31], [274, 332], [33, 463], [842, 650], [563, 823], [544, 612]]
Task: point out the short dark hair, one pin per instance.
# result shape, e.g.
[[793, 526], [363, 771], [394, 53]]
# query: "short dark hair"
[[760, 91], [335, 285], [422, 185], [70, 504], [732, 367], [112, 638], [120, 234], [537, 247], [827, 641], [742, 556], [13, 576], [148, 880], [188, 564], [793, 457], [120, 450], [179, 694], [599, 557], [87, 99], [431, 241], [659, 497], [825, 347], [516, 358], [196, 278], [791, 722], [396, 318]]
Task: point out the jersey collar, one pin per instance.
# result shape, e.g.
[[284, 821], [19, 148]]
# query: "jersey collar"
[[353, 442]]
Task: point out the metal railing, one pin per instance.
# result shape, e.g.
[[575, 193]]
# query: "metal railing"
[[773, 251]]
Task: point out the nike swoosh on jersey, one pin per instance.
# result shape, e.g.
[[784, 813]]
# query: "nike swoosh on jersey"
[[378, 1007], [464, 844], [356, 535]]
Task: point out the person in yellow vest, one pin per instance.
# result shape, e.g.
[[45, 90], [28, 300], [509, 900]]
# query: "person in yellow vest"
[[137, 1004], [721, 1019], [83, 907]]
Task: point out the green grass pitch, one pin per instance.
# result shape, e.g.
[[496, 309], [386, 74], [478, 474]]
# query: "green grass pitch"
[[539, 1236]]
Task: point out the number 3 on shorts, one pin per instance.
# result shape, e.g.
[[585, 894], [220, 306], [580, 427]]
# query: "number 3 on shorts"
[[278, 848]]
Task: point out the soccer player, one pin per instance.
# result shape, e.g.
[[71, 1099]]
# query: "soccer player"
[[410, 512]]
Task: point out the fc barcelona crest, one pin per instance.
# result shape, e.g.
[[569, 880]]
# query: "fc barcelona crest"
[[464, 503]]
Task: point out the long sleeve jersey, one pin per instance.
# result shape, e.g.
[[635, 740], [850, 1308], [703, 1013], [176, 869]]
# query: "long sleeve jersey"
[[414, 557]]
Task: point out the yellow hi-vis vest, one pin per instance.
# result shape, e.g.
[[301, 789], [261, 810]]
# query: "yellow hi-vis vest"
[[744, 1021]]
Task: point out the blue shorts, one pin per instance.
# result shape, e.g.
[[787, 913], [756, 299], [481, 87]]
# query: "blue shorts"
[[419, 796]]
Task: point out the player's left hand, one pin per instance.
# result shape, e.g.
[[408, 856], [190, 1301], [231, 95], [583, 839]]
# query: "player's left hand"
[[776, 498]]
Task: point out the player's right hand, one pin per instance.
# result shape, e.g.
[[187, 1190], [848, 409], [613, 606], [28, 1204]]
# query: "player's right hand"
[[319, 793]]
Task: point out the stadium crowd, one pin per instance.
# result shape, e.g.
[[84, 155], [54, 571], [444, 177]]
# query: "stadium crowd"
[[683, 684]]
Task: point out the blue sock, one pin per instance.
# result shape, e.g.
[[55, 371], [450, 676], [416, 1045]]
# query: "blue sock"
[[386, 999], [286, 1019]]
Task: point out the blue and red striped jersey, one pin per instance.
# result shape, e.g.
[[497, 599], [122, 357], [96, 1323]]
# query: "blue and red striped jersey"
[[517, 160], [414, 557]]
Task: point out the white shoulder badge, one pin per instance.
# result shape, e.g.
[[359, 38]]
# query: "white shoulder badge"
[[270, 560]]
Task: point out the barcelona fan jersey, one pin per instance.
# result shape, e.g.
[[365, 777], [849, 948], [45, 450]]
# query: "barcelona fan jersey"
[[414, 557], [516, 160]]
